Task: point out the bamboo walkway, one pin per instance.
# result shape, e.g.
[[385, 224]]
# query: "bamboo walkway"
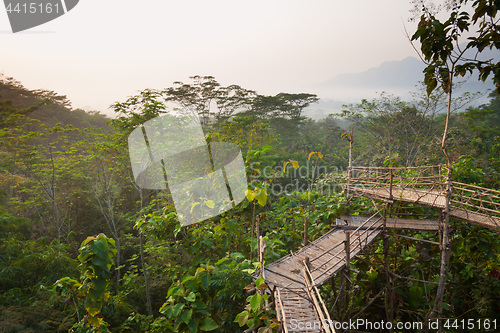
[[354, 221], [294, 277], [296, 307], [460, 209], [324, 258]]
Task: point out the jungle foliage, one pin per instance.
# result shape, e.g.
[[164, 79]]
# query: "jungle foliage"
[[84, 249]]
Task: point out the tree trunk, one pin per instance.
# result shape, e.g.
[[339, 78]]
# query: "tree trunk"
[[445, 245], [306, 230], [146, 278], [117, 262]]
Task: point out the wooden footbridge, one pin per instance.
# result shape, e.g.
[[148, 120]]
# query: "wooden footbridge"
[[297, 275], [294, 278], [427, 186]]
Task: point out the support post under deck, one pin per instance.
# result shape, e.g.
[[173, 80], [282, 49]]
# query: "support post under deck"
[[389, 290]]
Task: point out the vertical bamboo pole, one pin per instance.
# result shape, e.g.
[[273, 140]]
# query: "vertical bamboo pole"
[[347, 272], [349, 169], [347, 243], [389, 290], [252, 231], [306, 230]]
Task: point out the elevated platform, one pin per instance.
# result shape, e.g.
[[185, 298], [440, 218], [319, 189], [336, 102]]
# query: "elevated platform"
[[431, 198], [477, 218], [325, 257], [355, 221]]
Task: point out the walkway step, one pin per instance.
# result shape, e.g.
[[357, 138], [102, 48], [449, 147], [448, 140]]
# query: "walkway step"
[[299, 312]]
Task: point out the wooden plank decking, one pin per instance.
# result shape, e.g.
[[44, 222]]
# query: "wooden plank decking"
[[414, 195], [354, 221], [430, 198], [326, 257], [299, 312], [483, 220]]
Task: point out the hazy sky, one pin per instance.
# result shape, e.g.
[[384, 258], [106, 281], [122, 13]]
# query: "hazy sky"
[[103, 51]]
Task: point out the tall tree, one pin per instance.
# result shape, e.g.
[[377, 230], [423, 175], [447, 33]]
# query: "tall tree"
[[212, 101], [283, 105], [107, 173], [285, 111], [445, 57], [48, 167]]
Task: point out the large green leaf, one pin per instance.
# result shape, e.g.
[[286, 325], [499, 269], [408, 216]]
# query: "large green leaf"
[[242, 318], [415, 294], [250, 195], [191, 297], [372, 274], [259, 281], [193, 325], [208, 324], [255, 301], [177, 309], [186, 315], [262, 197]]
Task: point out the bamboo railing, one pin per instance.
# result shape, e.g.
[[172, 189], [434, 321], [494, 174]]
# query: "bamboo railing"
[[427, 185]]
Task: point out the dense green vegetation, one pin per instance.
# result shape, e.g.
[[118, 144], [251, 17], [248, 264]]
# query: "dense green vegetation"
[[65, 181], [84, 249]]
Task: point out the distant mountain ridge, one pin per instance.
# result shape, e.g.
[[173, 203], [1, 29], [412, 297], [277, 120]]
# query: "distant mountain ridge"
[[397, 77], [403, 73]]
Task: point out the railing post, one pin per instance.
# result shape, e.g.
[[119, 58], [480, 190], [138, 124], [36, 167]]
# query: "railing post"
[[262, 249], [440, 178], [306, 231], [350, 138], [390, 184]]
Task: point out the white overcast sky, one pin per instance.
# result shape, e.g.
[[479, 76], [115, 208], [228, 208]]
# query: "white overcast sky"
[[105, 50]]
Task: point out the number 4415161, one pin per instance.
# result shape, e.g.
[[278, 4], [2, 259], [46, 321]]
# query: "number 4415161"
[[33, 8], [470, 324]]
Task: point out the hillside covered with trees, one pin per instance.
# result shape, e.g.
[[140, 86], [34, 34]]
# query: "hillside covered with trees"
[[66, 175], [83, 248]]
